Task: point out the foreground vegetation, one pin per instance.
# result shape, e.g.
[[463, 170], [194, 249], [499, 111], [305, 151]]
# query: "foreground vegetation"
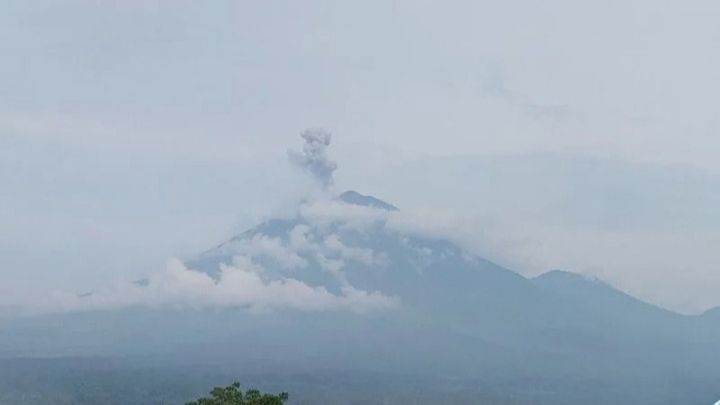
[[233, 395]]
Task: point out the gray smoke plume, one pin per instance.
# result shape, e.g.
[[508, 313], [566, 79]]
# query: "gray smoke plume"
[[314, 155]]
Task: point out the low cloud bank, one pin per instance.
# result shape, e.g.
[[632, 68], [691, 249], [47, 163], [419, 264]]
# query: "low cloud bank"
[[239, 285]]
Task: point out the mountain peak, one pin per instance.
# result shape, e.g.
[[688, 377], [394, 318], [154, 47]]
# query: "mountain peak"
[[355, 198], [562, 275]]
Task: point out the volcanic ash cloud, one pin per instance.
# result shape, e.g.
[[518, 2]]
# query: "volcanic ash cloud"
[[313, 157]]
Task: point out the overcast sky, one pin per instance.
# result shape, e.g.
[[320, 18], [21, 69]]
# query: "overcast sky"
[[582, 135]]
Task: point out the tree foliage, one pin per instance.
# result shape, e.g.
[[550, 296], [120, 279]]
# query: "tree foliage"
[[233, 395]]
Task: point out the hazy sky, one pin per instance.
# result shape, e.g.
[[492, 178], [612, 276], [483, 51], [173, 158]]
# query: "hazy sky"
[[581, 136]]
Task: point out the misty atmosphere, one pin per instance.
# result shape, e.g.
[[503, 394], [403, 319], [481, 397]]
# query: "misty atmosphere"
[[334, 202]]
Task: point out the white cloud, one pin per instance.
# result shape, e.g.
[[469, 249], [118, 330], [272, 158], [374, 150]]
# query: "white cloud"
[[365, 256], [300, 238], [477, 235], [274, 248], [239, 285], [324, 212], [333, 266]]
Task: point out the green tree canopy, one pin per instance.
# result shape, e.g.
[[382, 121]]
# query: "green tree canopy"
[[233, 395]]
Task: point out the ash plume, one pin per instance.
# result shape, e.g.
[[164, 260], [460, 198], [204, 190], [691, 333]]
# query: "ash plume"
[[313, 158]]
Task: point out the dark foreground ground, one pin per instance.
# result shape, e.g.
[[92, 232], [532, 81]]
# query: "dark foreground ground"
[[112, 381]]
